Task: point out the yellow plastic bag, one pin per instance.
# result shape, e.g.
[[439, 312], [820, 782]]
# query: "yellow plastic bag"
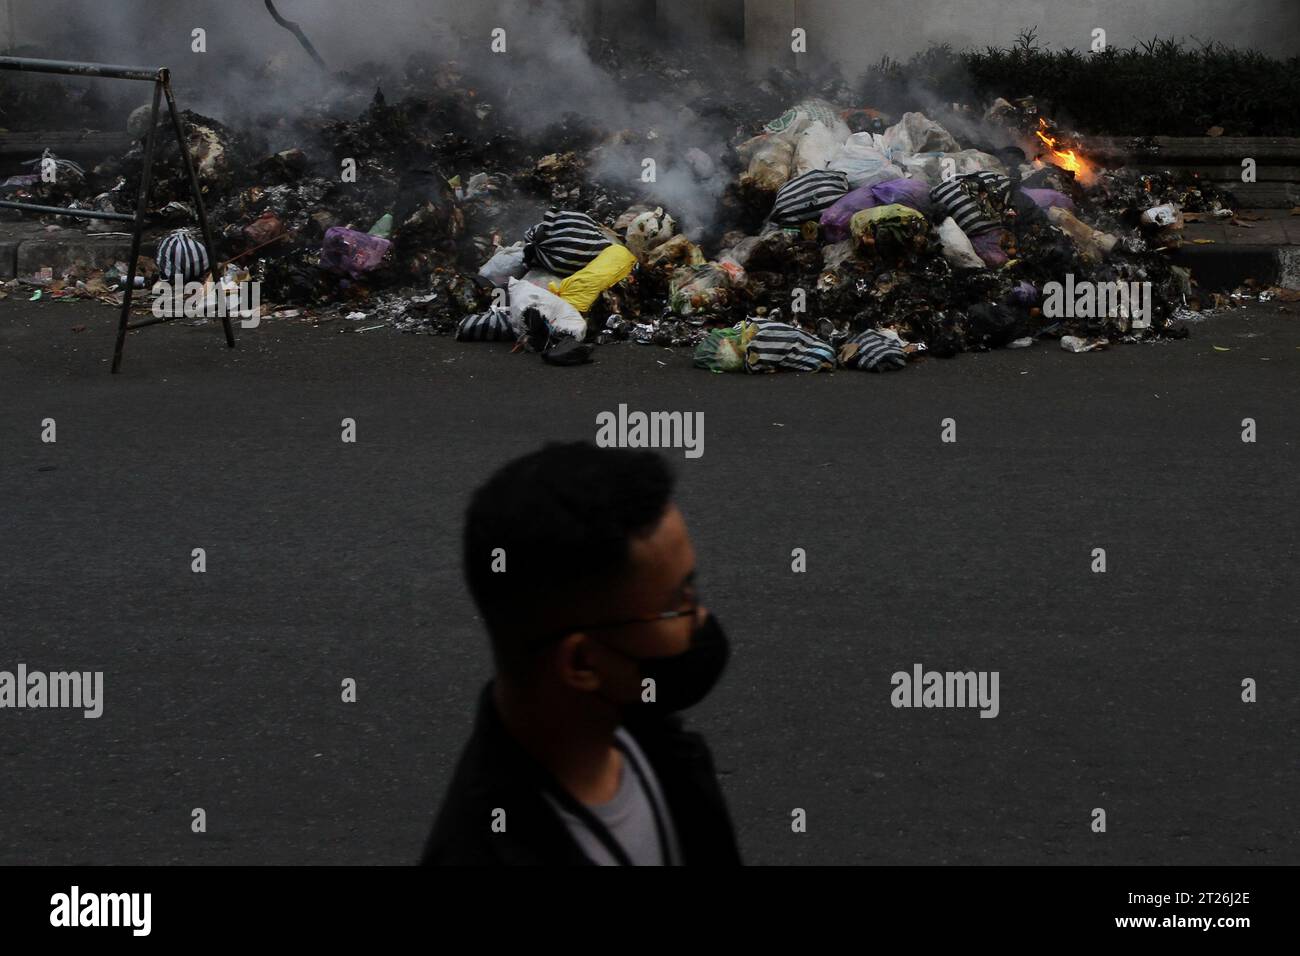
[[581, 289]]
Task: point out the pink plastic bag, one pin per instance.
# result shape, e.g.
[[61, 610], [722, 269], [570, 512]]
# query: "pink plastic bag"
[[356, 253]]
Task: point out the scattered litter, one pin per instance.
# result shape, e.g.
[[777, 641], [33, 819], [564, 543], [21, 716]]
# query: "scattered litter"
[[1072, 343]]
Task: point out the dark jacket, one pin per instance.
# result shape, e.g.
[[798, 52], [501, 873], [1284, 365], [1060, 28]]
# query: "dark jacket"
[[495, 771]]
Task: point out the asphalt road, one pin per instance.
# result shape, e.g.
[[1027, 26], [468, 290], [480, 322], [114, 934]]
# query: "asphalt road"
[[326, 560]]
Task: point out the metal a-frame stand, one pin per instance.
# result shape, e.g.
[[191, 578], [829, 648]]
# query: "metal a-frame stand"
[[161, 80]]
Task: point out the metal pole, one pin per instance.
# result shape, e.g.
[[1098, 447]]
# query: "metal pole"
[[74, 68], [65, 211], [141, 208], [198, 201]]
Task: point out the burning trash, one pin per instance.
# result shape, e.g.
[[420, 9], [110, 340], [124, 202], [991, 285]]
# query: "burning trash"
[[783, 231]]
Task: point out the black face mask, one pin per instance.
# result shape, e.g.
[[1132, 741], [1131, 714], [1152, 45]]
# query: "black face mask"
[[683, 680]]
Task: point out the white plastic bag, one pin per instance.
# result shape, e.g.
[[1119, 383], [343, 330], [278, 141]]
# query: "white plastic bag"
[[540, 277], [862, 162], [506, 264], [933, 167], [957, 248], [561, 317], [799, 117], [815, 147], [917, 133], [974, 161], [648, 230]]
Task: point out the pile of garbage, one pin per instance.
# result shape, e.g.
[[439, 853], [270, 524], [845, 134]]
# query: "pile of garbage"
[[840, 238]]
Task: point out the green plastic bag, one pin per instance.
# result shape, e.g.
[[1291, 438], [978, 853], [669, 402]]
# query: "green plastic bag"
[[723, 350]]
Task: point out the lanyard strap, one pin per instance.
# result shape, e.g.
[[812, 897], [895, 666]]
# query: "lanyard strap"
[[661, 829], [598, 828]]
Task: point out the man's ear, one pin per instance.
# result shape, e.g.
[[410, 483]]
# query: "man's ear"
[[574, 662]]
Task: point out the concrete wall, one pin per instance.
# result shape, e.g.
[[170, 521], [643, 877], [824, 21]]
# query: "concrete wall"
[[857, 34]]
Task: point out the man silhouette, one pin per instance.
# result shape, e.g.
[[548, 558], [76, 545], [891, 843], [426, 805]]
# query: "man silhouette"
[[583, 570]]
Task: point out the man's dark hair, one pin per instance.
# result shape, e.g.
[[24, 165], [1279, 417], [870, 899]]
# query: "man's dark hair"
[[565, 517]]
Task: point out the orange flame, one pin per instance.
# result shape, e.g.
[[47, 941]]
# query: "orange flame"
[[1065, 158]]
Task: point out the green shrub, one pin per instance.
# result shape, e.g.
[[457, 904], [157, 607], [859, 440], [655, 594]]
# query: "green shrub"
[[1159, 87]]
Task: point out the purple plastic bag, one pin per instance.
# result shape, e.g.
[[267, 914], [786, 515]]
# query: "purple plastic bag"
[[914, 193], [988, 246], [356, 253], [1047, 198], [1024, 294], [835, 220]]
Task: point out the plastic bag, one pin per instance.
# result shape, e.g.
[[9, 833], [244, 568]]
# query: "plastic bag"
[[494, 325], [770, 159], [179, 253], [835, 220], [506, 264], [1048, 198], [977, 201], [890, 231], [815, 147], [802, 115], [741, 251], [561, 317], [989, 247], [806, 197], [648, 230], [581, 289], [917, 133], [957, 248], [677, 251], [969, 161], [776, 346], [564, 241], [699, 289], [873, 350], [862, 162], [906, 192], [356, 253], [539, 277], [723, 350], [1166, 217], [936, 167]]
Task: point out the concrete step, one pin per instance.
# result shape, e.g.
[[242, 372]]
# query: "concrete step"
[[1217, 159], [26, 247]]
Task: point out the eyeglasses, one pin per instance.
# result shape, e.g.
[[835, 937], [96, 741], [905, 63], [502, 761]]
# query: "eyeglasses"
[[690, 611]]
